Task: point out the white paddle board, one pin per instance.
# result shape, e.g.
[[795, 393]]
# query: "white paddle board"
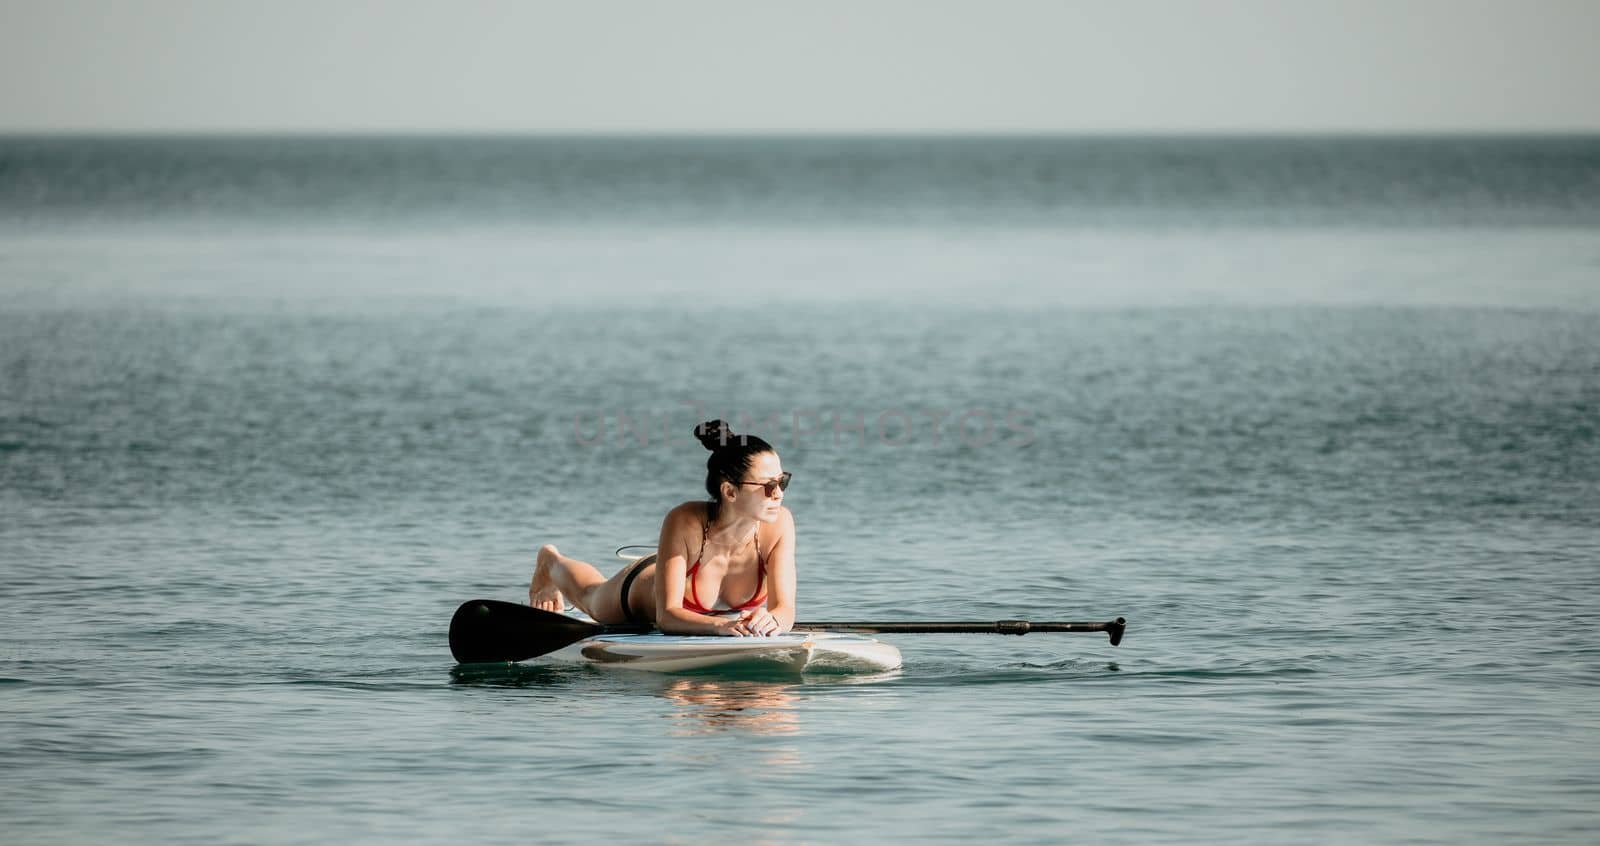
[[797, 652]]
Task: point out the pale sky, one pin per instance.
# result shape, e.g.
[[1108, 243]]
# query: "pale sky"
[[826, 66]]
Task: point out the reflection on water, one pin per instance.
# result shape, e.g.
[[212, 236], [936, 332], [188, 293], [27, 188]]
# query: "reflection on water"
[[710, 705], [511, 675]]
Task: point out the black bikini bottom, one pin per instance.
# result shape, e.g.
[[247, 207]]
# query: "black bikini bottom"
[[634, 570]]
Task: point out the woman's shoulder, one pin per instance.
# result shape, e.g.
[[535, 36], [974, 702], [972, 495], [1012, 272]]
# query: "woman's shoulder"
[[784, 525], [687, 513]]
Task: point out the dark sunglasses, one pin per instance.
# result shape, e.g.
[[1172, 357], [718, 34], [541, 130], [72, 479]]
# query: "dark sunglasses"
[[772, 486]]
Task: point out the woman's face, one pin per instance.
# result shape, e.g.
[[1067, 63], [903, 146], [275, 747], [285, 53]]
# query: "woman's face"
[[750, 499]]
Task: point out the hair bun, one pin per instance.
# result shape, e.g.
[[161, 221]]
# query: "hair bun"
[[713, 434]]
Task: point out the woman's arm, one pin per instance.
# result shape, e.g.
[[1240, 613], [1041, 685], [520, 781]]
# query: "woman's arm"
[[780, 574], [672, 566]]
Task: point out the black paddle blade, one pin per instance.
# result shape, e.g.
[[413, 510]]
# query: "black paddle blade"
[[488, 630]]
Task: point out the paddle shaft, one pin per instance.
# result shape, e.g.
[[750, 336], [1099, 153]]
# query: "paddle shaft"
[[1005, 627]]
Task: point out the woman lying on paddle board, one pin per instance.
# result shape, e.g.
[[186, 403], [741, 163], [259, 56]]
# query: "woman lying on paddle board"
[[740, 543]]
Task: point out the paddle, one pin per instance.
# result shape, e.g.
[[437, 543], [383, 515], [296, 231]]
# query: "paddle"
[[489, 630]]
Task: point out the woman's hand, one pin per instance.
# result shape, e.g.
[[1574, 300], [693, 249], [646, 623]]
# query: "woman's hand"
[[757, 622]]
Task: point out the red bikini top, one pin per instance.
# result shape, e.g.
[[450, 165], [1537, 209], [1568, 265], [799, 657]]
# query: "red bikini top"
[[691, 598]]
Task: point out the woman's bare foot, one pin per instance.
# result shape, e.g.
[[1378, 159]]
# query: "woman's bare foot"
[[542, 592]]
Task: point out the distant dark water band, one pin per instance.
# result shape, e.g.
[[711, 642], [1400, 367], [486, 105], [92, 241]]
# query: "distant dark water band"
[[1002, 181]]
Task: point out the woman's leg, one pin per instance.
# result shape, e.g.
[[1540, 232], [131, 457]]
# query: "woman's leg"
[[556, 576]]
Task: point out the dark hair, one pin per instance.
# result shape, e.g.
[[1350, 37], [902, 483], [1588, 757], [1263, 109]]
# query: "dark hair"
[[731, 457]]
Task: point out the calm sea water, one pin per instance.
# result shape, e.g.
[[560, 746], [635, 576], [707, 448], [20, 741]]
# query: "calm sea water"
[[1318, 416]]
